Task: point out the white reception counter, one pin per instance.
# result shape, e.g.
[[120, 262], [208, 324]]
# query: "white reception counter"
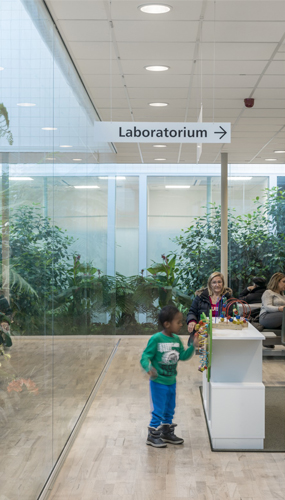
[[234, 399]]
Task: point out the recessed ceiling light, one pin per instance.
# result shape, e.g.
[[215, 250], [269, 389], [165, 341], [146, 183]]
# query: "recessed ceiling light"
[[26, 104], [86, 187], [21, 179], [270, 159], [50, 158], [77, 159], [159, 159], [157, 68], [177, 187], [240, 178], [158, 104], [1, 69], [65, 146], [118, 178], [159, 146], [280, 151], [155, 8], [49, 128]]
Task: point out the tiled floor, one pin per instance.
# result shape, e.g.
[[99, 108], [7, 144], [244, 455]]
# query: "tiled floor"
[[109, 459]]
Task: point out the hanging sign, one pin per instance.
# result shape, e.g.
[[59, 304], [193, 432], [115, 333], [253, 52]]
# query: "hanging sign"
[[199, 145], [197, 133]]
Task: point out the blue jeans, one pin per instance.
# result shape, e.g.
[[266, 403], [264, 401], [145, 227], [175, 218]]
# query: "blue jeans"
[[163, 402]]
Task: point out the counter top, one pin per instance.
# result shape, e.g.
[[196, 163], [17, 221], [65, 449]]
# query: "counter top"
[[249, 333]]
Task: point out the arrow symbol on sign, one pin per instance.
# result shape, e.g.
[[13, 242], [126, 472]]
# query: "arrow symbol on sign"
[[223, 132]]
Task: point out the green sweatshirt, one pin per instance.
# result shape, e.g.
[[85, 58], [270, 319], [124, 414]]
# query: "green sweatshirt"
[[163, 353]]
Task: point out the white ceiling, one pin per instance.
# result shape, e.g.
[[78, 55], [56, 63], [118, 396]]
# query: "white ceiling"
[[219, 52]]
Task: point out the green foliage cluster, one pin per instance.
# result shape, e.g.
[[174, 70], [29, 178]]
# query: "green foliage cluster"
[[53, 291], [39, 262], [4, 124], [256, 244], [165, 282]]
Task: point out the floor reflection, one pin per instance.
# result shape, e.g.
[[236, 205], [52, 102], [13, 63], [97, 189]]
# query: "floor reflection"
[[43, 388]]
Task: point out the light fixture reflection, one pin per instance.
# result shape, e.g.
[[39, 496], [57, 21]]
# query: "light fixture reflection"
[[240, 178], [177, 187], [26, 104], [118, 178], [65, 146], [49, 128], [21, 179], [86, 187]]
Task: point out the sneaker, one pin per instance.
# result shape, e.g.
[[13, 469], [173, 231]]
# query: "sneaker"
[[167, 434], [153, 438]]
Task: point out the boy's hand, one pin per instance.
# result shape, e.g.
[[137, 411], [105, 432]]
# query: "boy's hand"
[[152, 373], [196, 340]]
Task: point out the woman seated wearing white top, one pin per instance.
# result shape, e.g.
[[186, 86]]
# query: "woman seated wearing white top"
[[273, 302]]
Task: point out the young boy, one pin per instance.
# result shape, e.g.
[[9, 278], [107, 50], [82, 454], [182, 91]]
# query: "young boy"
[[159, 360]]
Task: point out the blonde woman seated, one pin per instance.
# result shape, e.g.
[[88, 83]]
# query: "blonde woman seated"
[[273, 302], [206, 299]]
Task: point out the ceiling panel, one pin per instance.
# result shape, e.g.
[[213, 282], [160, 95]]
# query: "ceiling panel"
[[273, 10], [224, 80], [273, 81], [91, 50], [77, 9], [85, 31], [246, 31], [157, 80], [155, 31], [239, 51], [185, 9], [229, 67], [137, 67], [117, 93], [104, 81], [269, 93], [246, 34], [157, 93], [98, 66], [276, 67], [170, 115], [158, 51]]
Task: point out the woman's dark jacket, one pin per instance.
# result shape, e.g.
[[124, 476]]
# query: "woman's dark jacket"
[[201, 304], [5, 309], [254, 296]]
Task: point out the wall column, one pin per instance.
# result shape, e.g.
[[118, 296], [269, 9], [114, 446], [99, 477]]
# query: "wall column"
[[5, 227], [224, 216], [142, 230]]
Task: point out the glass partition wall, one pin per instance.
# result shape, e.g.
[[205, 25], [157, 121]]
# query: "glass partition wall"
[[250, 233], [54, 242]]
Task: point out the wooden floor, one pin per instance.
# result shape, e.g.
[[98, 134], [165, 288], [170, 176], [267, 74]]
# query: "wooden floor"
[[110, 460]]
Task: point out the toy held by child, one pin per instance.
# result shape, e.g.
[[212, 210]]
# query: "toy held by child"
[[159, 360]]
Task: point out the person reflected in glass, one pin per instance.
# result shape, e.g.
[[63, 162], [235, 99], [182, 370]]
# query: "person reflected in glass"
[[5, 320], [208, 298], [273, 302], [253, 293]]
